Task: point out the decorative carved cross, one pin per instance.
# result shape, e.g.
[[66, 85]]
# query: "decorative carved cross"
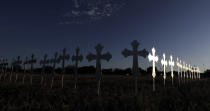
[[135, 53], [152, 57], [178, 66], [171, 63], [184, 68], [178, 69], [190, 71], [1, 65], [25, 63], [98, 57], [18, 62], [44, 62], [24, 66], [13, 63], [181, 68], [198, 71], [5, 65], [32, 61], [76, 58], [164, 63], [54, 61], [194, 72], [63, 58]]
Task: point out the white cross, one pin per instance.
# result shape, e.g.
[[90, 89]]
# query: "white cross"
[[178, 65], [199, 76], [190, 72], [154, 59], [195, 71], [184, 69], [171, 63], [179, 68], [164, 63]]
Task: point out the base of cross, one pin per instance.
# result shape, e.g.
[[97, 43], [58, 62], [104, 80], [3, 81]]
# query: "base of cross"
[[153, 84]]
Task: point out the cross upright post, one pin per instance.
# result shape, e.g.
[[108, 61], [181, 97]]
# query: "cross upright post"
[[12, 72], [178, 69], [187, 73], [24, 66], [5, 64], [193, 74], [198, 71], [189, 68], [164, 64], [63, 58], [32, 61], [54, 61], [44, 62], [181, 67], [192, 71], [76, 58], [18, 62], [1, 69], [184, 68], [171, 63], [195, 69]]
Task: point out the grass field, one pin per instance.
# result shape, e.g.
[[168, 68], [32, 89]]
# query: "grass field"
[[117, 94]]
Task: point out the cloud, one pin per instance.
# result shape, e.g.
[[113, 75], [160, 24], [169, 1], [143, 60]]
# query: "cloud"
[[90, 12]]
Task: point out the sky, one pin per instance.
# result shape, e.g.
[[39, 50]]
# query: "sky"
[[177, 27]]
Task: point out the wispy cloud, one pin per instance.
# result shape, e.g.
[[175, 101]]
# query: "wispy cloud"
[[91, 12]]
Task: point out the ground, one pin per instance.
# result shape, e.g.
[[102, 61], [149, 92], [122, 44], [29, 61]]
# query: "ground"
[[117, 94]]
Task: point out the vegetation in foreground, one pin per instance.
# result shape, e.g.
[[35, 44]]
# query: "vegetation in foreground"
[[117, 94]]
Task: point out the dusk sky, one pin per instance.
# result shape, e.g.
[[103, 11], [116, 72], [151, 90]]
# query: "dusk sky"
[[177, 27]]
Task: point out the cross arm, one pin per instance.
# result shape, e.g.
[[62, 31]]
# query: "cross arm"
[[107, 56], [91, 57], [144, 53], [66, 57], [80, 58], [126, 52]]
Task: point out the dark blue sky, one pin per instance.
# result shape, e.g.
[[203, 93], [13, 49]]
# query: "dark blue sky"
[[178, 27]]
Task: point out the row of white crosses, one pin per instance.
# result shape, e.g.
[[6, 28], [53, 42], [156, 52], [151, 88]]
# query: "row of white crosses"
[[186, 71], [164, 62], [189, 71]]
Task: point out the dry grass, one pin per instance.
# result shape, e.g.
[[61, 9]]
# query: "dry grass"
[[117, 94]]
